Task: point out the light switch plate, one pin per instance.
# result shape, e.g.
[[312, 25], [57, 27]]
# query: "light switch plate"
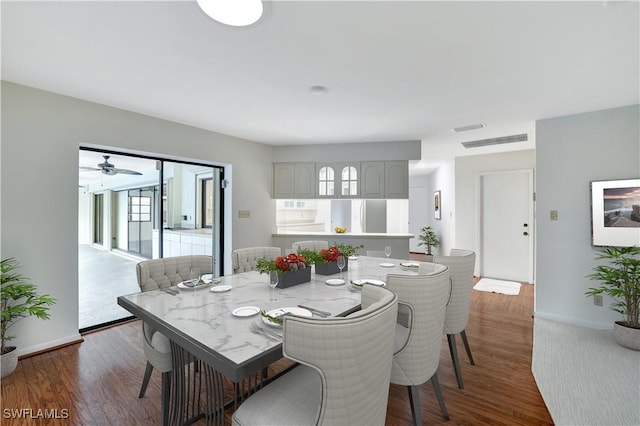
[[244, 214], [553, 214]]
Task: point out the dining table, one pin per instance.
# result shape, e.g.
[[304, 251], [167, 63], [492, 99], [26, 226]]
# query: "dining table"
[[213, 323]]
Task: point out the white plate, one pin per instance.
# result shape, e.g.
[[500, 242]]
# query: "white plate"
[[221, 288], [245, 311], [198, 287], [387, 265], [301, 312], [370, 281], [335, 281]]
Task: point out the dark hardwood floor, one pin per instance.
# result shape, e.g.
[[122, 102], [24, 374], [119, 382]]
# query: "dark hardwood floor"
[[96, 382]]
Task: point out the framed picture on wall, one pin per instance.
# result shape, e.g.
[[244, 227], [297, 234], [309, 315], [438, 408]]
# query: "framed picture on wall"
[[615, 212], [436, 204]]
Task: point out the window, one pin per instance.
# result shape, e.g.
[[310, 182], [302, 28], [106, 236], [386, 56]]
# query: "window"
[[349, 181], [139, 209], [207, 203], [326, 181]]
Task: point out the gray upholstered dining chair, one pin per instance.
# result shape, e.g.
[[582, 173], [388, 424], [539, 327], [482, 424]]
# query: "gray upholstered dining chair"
[[423, 299], [343, 378], [244, 259], [310, 245], [153, 275], [461, 265]]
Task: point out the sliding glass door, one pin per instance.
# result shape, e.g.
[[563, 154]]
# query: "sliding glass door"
[[150, 208]]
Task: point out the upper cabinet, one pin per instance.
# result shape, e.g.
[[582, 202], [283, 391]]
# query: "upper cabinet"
[[348, 180], [366, 179], [294, 180], [338, 180], [372, 185], [326, 180], [396, 178]]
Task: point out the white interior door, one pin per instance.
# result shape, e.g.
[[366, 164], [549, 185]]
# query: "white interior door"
[[506, 225]]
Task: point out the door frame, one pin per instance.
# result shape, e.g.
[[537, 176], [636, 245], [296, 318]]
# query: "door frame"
[[531, 219]]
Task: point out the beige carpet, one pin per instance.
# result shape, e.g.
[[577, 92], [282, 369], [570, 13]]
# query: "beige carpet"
[[584, 376], [510, 288]]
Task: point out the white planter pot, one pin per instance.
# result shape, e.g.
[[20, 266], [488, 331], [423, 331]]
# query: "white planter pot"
[[9, 361], [627, 336]]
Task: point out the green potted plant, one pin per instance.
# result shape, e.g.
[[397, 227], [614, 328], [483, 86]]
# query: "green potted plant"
[[18, 299], [620, 279], [428, 238]]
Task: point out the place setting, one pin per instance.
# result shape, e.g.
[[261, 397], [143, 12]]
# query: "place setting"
[[410, 266], [358, 284]]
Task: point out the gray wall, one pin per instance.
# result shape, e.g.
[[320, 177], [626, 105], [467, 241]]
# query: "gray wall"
[[41, 133], [571, 152]]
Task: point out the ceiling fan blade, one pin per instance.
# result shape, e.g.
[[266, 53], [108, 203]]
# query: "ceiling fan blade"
[[88, 169], [125, 172]]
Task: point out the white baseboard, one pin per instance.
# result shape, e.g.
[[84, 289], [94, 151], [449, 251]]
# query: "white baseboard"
[[49, 345], [573, 321]]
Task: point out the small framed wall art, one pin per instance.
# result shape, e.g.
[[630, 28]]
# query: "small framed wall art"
[[437, 205], [615, 212]]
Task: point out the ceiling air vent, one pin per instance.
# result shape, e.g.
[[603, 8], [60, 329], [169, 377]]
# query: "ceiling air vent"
[[496, 141]]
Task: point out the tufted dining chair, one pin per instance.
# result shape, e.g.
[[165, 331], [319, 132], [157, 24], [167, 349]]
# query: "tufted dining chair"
[[461, 265], [310, 245], [343, 376], [244, 259], [423, 299], [153, 275]]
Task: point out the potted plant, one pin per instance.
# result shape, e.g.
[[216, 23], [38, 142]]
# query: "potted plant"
[[620, 279], [19, 300], [428, 238]]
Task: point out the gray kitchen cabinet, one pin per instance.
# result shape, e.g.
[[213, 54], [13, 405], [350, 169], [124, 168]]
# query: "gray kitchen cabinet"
[[396, 179], [294, 180], [372, 179]]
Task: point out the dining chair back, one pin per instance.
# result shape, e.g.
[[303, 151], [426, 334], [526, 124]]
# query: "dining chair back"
[[153, 275], [423, 299], [343, 376], [244, 259], [461, 264], [310, 245]]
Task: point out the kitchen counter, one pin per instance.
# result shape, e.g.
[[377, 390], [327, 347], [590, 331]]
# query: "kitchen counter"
[[399, 243]]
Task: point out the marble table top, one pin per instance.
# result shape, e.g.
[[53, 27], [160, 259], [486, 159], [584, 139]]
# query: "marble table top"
[[201, 321]]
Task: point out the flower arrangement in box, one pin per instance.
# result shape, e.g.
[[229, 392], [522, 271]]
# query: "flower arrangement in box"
[[325, 259], [292, 269], [282, 264]]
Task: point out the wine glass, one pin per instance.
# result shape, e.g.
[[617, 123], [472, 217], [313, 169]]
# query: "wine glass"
[[341, 264], [387, 251], [273, 282]]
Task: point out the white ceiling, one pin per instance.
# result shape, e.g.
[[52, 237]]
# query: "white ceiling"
[[394, 70]]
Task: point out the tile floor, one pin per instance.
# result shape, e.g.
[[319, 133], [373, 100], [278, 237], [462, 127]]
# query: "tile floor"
[[103, 276]]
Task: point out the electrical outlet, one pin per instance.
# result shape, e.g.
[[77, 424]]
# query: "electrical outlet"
[[597, 300]]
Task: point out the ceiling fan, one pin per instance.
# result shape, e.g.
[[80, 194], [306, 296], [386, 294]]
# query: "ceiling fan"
[[109, 169]]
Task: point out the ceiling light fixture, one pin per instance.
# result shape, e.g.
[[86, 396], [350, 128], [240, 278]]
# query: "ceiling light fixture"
[[237, 13], [319, 90]]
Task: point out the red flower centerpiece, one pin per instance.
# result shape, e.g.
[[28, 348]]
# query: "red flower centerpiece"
[[292, 269]]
